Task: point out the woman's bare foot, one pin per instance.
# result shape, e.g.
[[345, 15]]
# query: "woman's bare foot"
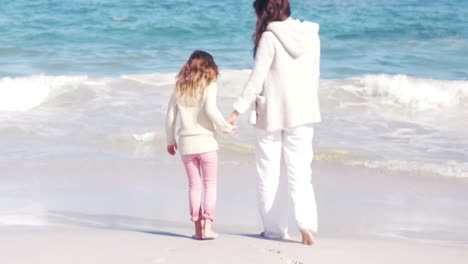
[[198, 230], [208, 232], [307, 238]]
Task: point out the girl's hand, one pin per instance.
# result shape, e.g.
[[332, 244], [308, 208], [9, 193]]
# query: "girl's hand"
[[172, 149], [231, 130]]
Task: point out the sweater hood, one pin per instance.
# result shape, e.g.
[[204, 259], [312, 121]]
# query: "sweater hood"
[[297, 37]]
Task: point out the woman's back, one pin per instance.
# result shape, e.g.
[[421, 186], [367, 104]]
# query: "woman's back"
[[285, 77]]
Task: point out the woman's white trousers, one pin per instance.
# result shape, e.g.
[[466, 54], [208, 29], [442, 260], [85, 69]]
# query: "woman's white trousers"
[[286, 200]]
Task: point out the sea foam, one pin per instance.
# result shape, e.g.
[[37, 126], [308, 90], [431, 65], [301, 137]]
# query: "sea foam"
[[125, 116], [25, 93], [415, 93], [22, 94]]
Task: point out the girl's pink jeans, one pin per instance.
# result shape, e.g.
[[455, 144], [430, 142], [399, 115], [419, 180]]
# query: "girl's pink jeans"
[[202, 168]]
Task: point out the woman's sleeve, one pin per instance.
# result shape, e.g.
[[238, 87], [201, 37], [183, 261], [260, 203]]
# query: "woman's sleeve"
[[212, 110], [171, 119], [263, 60], [317, 54]]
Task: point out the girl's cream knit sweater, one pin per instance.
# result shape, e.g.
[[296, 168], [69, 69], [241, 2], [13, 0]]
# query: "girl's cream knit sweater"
[[198, 123]]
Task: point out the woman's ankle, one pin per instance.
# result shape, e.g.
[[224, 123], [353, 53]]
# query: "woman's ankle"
[[208, 232], [307, 237]]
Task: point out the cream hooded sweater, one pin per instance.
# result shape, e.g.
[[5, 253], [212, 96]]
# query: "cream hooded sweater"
[[283, 85], [198, 123]]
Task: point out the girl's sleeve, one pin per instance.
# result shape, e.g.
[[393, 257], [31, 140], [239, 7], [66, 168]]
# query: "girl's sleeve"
[[171, 119], [263, 60], [212, 109]]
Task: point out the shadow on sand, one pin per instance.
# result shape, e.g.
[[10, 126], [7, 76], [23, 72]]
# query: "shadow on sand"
[[117, 222], [135, 224]]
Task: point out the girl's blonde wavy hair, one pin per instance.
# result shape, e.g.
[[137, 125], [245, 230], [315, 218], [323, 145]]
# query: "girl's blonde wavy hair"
[[194, 77]]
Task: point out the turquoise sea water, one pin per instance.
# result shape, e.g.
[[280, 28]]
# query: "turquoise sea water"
[[110, 38]]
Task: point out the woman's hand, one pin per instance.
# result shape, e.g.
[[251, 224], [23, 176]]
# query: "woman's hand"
[[233, 119], [172, 149]]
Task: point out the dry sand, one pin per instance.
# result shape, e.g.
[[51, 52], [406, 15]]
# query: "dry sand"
[[173, 245]]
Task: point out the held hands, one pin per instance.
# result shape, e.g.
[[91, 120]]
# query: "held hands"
[[172, 149], [233, 120]]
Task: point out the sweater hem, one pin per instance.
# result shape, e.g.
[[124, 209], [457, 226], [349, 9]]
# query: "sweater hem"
[[197, 144], [289, 126]]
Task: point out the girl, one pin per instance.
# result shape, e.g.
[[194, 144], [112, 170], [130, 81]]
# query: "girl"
[[195, 100], [283, 91]]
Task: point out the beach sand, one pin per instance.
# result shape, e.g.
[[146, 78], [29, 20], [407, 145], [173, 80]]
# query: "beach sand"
[[174, 245], [136, 211]]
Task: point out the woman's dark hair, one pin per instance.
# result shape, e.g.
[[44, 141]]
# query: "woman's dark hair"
[[268, 11]]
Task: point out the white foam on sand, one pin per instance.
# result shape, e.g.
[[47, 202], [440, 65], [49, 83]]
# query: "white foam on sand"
[[452, 169], [15, 214], [22, 220]]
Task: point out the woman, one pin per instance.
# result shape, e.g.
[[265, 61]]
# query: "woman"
[[282, 90]]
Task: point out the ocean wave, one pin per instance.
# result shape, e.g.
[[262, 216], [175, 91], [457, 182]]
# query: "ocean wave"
[[379, 90], [412, 93], [26, 93], [154, 79], [125, 116], [22, 94]]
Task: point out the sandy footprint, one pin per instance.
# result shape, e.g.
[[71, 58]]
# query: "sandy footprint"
[[276, 251], [289, 261]]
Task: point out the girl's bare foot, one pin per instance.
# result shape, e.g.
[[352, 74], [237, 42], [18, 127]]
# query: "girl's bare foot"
[[307, 238], [198, 230], [208, 232]]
